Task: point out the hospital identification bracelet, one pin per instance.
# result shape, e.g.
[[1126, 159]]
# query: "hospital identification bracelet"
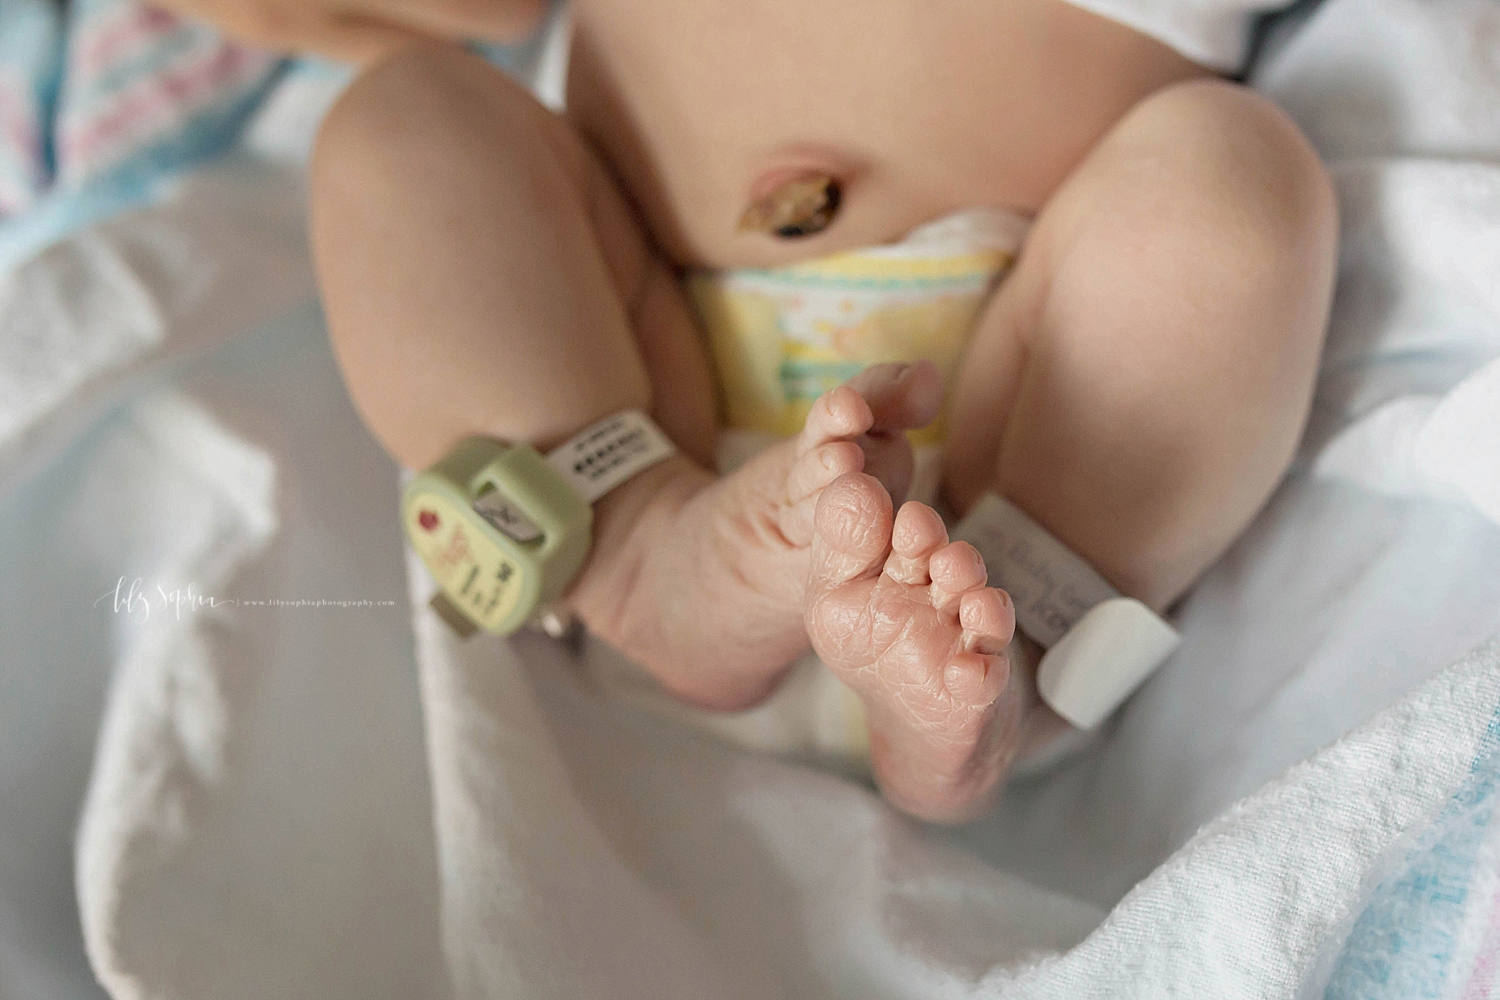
[[1099, 644], [504, 530]]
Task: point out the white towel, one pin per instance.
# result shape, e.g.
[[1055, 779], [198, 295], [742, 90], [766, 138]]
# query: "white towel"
[[271, 814]]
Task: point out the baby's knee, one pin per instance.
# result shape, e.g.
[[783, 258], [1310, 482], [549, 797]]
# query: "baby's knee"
[[410, 109], [1238, 162]]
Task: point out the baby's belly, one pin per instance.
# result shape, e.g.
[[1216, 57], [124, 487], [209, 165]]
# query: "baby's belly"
[[917, 110], [781, 337]]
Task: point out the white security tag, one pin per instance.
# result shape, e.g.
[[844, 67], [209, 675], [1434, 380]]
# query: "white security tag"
[[1100, 645], [1103, 659]]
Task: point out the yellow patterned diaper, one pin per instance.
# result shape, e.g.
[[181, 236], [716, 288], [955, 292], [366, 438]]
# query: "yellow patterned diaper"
[[781, 337]]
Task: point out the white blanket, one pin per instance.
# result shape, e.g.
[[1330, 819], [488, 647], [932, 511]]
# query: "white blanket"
[[339, 799]]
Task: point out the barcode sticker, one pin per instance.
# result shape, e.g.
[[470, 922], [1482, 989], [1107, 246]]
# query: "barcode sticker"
[[609, 452]]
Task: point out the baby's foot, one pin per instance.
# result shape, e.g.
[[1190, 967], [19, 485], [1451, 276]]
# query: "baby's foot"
[[702, 580], [903, 616]]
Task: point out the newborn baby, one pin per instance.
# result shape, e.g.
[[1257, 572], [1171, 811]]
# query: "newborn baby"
[[1136, 383]]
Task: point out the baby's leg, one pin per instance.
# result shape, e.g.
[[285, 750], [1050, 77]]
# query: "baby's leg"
[[481, 275], [1146, 372], [1142, 376]]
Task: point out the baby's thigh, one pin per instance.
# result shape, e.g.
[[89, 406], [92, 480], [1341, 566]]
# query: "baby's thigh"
[[455, 217], [1154, 350], [1203, 204], [1194, 246]]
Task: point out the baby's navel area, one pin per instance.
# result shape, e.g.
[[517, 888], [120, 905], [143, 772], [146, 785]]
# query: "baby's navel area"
[[704, 111]]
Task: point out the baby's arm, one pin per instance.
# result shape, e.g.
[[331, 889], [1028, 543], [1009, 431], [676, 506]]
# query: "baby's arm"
[[363, 30]]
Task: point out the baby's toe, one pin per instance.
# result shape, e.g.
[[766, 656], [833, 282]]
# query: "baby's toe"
[[873, 409], [955, 569], [976, 679], [917, 534], [811, 473], [838, 415], [988, 618], [901, 396], [851, 531]]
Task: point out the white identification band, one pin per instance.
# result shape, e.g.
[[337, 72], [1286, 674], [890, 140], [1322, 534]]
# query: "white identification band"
[[605, 454], [1100, 645]]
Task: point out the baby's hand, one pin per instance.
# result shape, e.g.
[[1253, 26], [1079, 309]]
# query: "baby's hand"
[[361, 31]]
